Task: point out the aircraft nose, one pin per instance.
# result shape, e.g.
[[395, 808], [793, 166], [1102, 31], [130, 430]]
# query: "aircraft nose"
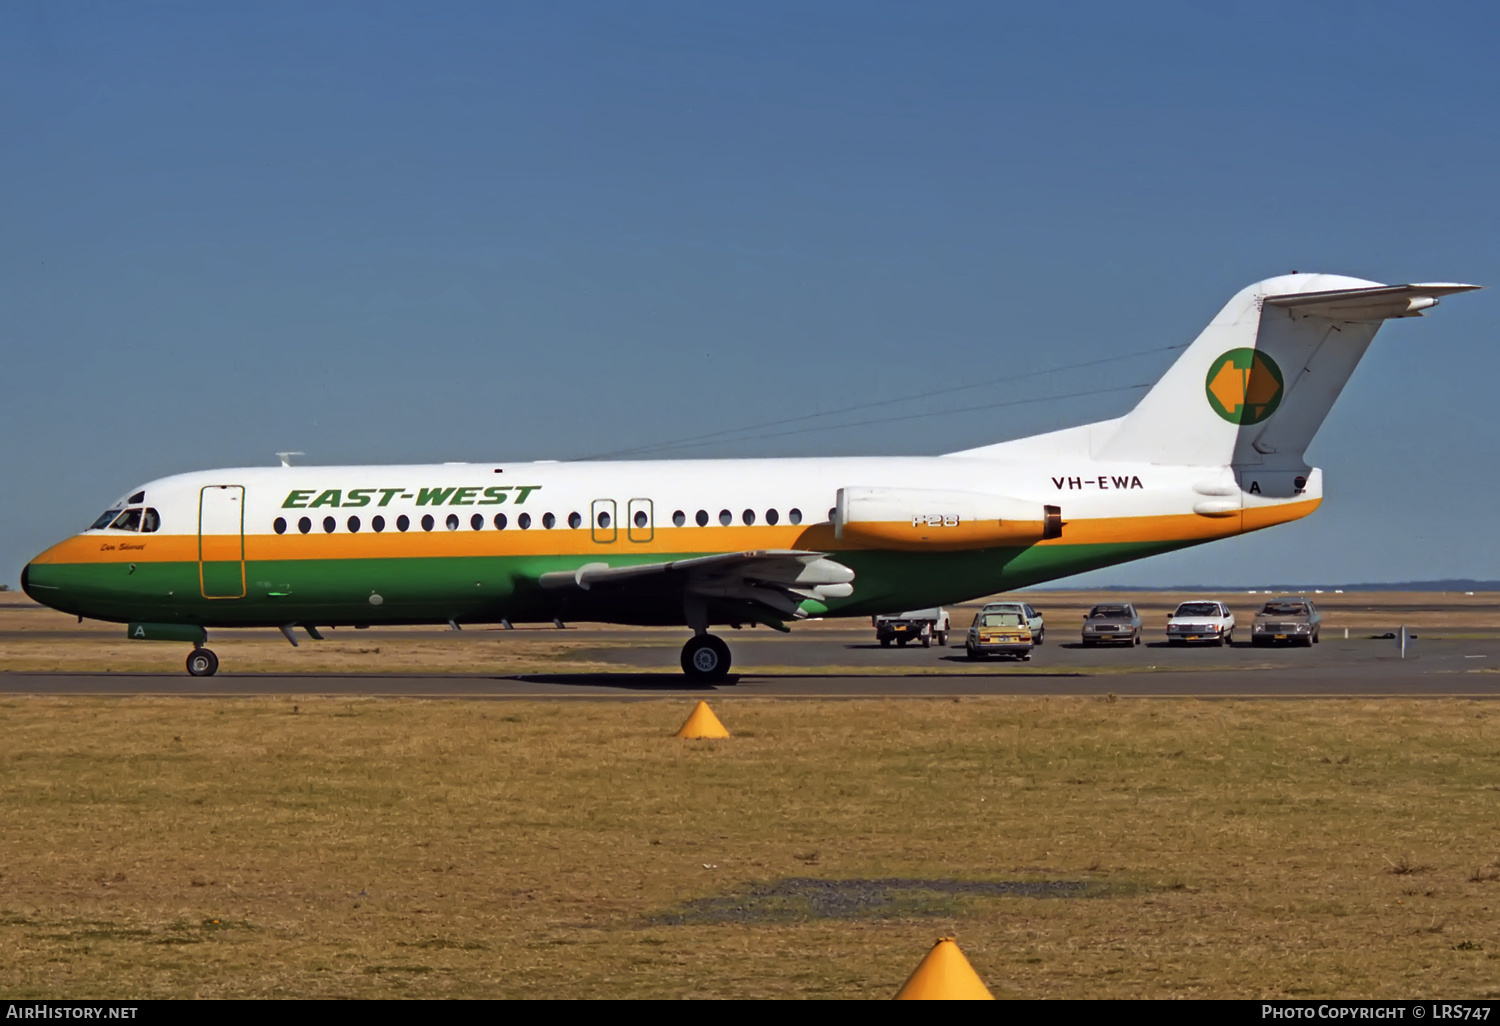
[[26, 581]]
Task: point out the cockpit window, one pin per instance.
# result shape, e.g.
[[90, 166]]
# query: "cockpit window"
[[137, 497], [130, 520], [105, 519], [150, 520]]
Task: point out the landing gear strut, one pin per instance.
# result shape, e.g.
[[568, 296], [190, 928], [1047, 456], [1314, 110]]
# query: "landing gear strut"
[[202, 663], [705, 658]]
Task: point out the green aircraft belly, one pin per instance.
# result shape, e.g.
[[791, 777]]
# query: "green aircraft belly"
[[491, 588]]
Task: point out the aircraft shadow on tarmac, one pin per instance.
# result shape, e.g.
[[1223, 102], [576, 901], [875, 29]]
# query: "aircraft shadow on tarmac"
[[628, 681], [673, 682]]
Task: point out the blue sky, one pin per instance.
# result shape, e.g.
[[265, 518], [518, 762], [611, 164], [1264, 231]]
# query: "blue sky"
[[402, 232]]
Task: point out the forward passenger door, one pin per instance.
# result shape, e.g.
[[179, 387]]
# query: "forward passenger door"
[[221, 541]]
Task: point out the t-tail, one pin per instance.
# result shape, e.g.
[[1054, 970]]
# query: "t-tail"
[[1253, 389]]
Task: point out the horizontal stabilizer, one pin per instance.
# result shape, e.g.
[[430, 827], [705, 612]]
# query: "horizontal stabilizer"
[[1372, 304]]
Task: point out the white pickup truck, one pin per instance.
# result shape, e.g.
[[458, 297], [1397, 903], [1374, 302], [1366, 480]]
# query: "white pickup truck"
[[924, 625]]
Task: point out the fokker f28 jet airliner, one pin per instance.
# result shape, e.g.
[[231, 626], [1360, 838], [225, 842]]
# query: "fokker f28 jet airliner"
[[1214, 449]]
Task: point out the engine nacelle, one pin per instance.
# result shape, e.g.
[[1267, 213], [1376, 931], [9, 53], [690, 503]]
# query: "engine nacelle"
[[926, 518]]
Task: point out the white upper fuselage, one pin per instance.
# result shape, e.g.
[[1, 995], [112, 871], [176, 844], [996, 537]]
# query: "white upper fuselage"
[[1085, 489]]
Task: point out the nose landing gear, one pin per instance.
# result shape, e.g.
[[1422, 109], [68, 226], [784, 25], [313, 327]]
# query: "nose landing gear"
[[202, 663], [705, 658]]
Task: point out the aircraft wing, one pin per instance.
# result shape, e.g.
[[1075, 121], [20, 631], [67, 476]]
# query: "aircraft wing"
[[1372, 304], [780, 579]]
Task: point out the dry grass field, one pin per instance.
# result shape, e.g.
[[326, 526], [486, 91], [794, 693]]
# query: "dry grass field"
[[1078, 848], [160, 847]]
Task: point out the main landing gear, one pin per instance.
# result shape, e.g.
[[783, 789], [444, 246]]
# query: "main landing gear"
[[202, 663], [705, 658]]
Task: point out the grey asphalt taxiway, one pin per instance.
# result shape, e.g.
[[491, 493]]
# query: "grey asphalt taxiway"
[[847, 664]]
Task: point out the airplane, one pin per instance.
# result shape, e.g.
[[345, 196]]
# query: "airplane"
[[1214, 449]]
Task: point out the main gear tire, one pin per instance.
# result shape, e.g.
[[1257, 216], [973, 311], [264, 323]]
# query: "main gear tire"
[[705, 658]]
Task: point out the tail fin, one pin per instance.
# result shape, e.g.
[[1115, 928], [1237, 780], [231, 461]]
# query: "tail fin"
[[1256, 385]]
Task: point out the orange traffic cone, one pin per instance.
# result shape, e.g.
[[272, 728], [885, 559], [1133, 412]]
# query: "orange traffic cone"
[[945, 974], [702, 724]]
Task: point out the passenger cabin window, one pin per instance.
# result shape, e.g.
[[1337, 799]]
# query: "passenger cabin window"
[[794, 515], [377, 523], [452, 521], [427, 522], [548, 521], [772, 516], [702, 518], [499, 521], [749, 517], [523, 521], [304, 525], [477, 521], [105, 519], [679, 518], [575, 520], [354, 525], [329, 525], [279, 525], [640, 518], [725, 517], [402, 522]]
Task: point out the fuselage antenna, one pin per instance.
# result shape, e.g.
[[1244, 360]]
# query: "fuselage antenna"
[[286, 457]]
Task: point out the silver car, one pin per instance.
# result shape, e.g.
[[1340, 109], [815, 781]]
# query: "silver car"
[[1292, 621], [1112, 623]]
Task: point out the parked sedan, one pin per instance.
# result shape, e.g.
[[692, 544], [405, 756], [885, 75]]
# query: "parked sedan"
[[998, 630], [1034, 621], [1112, 622], [1210, 622], [1295, 621]]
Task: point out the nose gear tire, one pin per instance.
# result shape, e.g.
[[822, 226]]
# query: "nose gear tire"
[[202, 663]]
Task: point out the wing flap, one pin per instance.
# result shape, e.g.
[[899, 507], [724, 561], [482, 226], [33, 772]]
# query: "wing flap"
[[781, 579]]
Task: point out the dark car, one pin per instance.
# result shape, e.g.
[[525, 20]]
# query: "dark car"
[[1295, 621], [1112, 622]]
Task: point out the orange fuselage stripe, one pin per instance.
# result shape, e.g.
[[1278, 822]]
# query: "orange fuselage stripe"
[[564, 541]]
